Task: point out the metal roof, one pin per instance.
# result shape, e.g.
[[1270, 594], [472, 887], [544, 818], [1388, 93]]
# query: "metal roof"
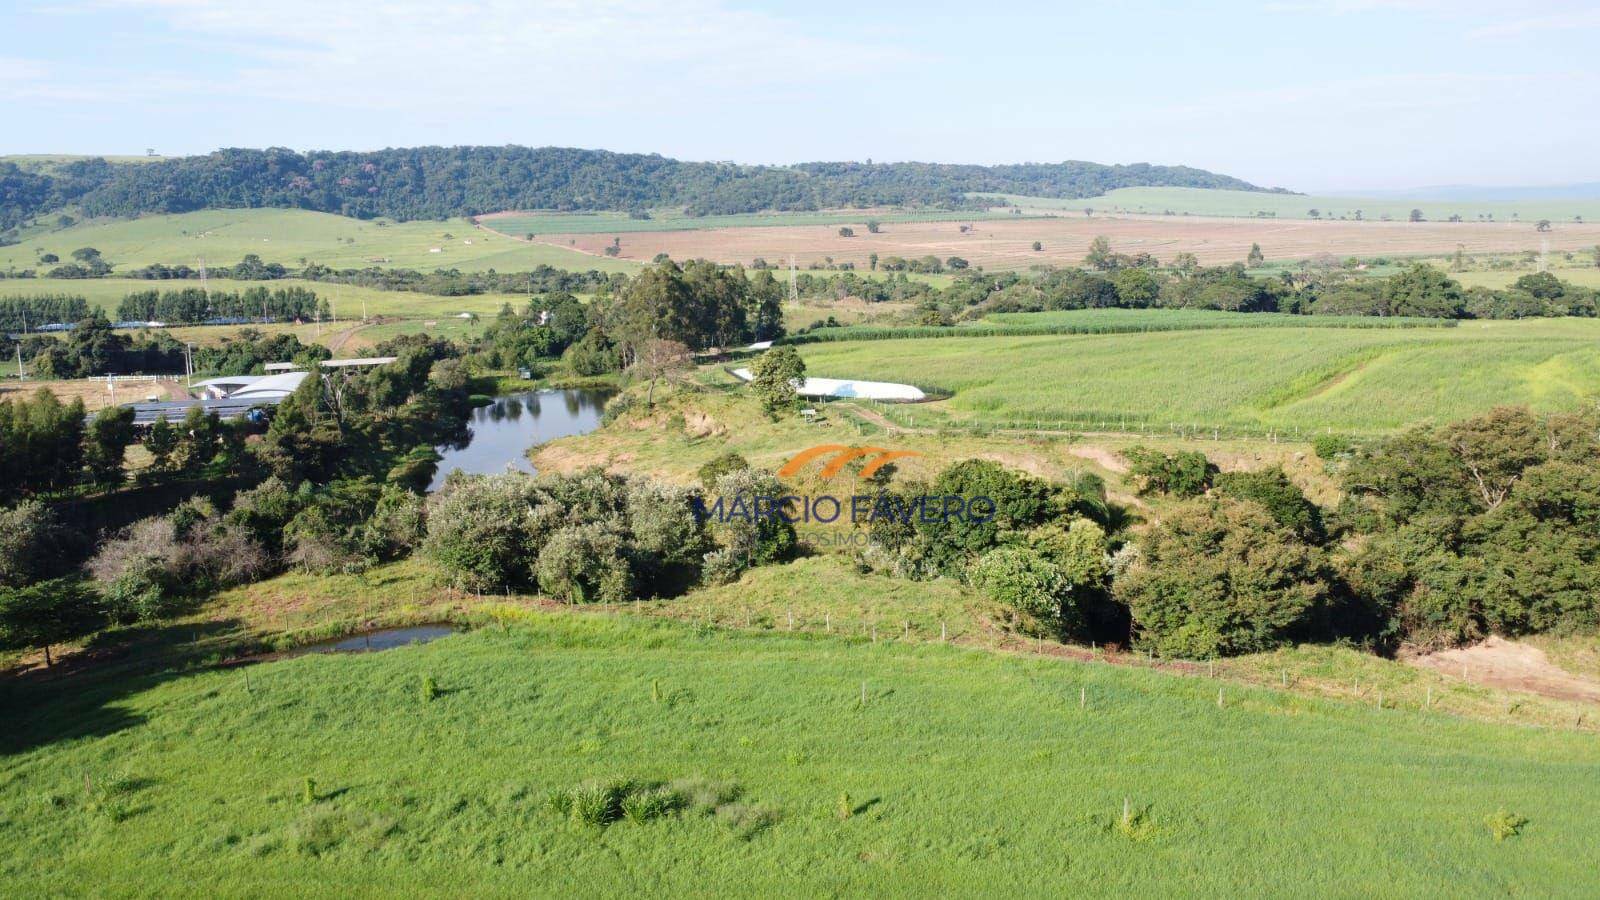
[[175, 410]]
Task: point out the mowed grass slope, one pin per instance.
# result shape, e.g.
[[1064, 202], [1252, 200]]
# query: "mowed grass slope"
[[1311, 379], [963, 772], [288, 236]]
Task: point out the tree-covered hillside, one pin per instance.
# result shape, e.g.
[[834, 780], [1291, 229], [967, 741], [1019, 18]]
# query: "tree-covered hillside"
[[437, 182]]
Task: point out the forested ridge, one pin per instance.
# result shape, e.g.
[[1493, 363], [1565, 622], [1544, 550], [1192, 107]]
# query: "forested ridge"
[[438, 182]]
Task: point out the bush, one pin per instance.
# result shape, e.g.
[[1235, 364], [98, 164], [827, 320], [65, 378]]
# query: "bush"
[[585, 564], [478, 529], [1027, 582], [1184, 474], [1279, 496], [950, 543], [1221, 577], [33, 544], [719, 466], [750, 540], [1330, 447], [587, 537]]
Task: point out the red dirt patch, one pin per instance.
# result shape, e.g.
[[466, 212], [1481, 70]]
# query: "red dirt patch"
[[1511, 665]]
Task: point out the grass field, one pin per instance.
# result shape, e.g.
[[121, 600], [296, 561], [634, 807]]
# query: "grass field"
[[963, 772], [290, 236], [1311, 379], [1201, 202]]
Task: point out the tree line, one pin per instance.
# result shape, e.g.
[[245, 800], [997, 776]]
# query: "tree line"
[[440, 182]]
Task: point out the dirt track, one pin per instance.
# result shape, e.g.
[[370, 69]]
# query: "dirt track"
[[1007, 244]]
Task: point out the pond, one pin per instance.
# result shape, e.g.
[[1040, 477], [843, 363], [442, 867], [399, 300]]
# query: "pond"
[[383, 639], [501, 433]]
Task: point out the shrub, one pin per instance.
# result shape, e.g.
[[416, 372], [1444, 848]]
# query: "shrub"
[[1221, 577], [1330, 447], [751, 539], [33, 544], [1024, 580], [719, 466], [1020, 502], [477, 529], [1279, 497], [1503, 824], [585, 564], [1184, 474]]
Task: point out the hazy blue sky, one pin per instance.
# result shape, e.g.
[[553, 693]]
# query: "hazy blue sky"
[[1320, 94]]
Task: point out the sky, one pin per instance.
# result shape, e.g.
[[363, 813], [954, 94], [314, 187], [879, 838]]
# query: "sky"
[[1304, 94]]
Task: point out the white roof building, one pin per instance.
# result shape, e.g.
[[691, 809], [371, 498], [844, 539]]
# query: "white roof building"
[[846, 388]]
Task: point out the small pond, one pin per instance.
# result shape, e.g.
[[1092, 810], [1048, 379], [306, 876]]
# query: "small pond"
[[502, 432], [383, 639]]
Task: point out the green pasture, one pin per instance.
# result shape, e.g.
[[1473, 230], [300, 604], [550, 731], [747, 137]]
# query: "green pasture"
[[819, 765], [295, 237]]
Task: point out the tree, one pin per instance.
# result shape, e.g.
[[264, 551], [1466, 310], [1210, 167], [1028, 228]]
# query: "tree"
[[1255, 259], [1416, 215], [657, 359], [105, 441], [847, 232], [776, 377], [34, 545], [1100, 256], [86, 254], [44, 614], [1422, 290], [1221, 577], [1544, 225], [1037, 246], [872, 226]]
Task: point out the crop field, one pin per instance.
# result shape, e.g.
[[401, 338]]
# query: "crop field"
[[1248, 204], [292, 237], [1007, 243], [539, 223], [1284, 379], [829, 765]]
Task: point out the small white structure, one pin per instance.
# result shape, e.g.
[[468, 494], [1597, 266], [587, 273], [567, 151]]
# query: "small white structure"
[[221, 388], [847, 389], [251, 387], [358, 362], [270, 387]]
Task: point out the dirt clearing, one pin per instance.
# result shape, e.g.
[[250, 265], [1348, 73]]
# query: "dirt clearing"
[[1511, 665]]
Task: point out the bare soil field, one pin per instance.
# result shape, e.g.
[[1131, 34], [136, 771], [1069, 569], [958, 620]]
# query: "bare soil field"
[[1007, 244], [96, 393]]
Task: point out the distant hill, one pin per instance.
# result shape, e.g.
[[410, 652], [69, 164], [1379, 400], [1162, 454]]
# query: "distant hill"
[[438, 182]]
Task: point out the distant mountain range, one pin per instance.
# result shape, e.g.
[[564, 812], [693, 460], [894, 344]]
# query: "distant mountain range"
[[438, 182]]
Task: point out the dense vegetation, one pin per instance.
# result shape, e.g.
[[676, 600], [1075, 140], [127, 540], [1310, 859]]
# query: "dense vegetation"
[[439, 182]]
